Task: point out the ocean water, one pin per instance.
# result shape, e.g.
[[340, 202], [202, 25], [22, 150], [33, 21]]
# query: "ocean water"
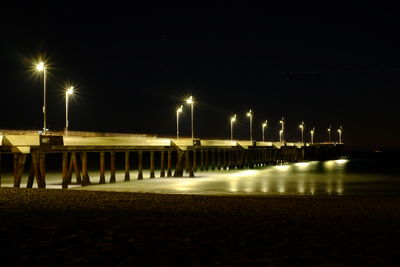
[[363, 174]]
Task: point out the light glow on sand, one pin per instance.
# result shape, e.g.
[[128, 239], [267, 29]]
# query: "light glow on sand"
[[244, 173], [301, 186], [282, 167], [302, 164]]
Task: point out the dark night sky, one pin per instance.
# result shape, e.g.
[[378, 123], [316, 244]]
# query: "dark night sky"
[[133, 65]]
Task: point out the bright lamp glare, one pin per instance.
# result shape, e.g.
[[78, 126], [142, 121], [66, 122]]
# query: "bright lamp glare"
[[70, 90], [40, 66]]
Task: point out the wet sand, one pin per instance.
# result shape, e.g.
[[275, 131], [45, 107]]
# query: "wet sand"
[[65, 227]]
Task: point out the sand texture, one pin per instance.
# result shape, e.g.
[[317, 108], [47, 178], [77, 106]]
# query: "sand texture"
[[64, 227]]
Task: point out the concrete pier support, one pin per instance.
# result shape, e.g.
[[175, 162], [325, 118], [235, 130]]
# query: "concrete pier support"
[[189, 163], [140, 165], [75, 163], [169, 163], [38, 175], [70, 167], [162, 161], [202, 160], [85, 174], [230, 159], [212, 159], [42, 168], [218, 159], [179, 163], [64, 183], [186, 164], [112, 167], [127, 167], [31, 176], [206, 160], [102, 179], [194, 160], [20, 169], [224, 162], [15, 166], [237, 159], [152, 164]]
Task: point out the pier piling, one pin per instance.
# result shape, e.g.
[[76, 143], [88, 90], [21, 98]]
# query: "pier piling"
[[102, 179], [127, 177]]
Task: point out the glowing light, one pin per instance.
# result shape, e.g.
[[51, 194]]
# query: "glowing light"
[[302, 165], [70, 91], [312, 135], [233, 186], [264, 186], [233, 118], [329, 187], [249, 114], [339, 187], [263, 129], [179, 110], [244, 173], [301, 187], [341, 161], [40, 66], [282, 167], [281, 186], [190, 100]]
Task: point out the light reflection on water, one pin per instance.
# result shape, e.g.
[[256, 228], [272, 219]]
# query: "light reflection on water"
[[334, 177]]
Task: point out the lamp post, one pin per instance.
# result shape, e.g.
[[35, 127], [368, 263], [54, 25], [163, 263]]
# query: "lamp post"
[[282, 121], [190, 101], [233, 119], [312, 135], [340, 134], [329, 133], [41, 67], [264, 125], [250, 115], [179, 110], [68, 92], [302, 131]]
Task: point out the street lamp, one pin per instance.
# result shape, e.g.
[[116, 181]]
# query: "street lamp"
[[302, 131], [340, 134], [68, 92], [282, 121], [250, 115], [329, 133], [233, 119], [179, 110], [263, 130], [41, 67], [312, 135], [190, 101]]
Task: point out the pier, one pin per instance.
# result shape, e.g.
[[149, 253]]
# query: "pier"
[[172, 157]]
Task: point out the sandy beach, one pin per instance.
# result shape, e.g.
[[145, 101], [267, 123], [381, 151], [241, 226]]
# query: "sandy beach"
[[49, 227]]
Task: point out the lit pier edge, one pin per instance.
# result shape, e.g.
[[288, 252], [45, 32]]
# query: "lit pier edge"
[[185, 154]]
